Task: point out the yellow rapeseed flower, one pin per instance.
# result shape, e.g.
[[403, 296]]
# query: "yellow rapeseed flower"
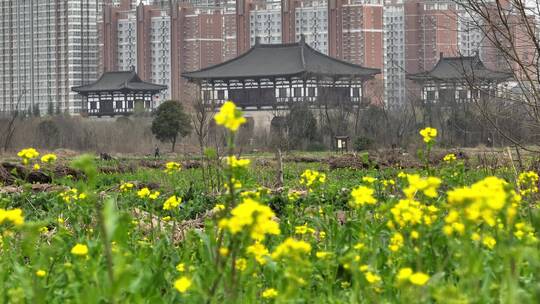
[[144, 192], [372, 278], [450, 157], [428, 134], [48, 158], [361, 196], [252, 216], [181, 267], [80, 250], [419, 278], [241, 264], [41, 273], [489, 242], [125, 187], [172, 167], [234, 162], [182, 284], [312, 178], [269, 293], [404, 274], [528, 182], [291, 248], [27, 154], [259, 252], [172, 202], [229, 116], [14, 216]]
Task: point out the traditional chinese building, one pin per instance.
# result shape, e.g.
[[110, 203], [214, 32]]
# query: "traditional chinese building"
[[118, 93], [272, 76], [459, 79]]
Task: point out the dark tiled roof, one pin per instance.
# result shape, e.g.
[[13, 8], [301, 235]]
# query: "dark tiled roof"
[[118, 81], [460, 68], [273, 60]]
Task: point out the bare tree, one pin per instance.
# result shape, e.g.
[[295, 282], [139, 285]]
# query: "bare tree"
[[510, 30]]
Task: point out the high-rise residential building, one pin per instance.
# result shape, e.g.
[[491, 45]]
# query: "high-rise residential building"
[[46, 47], [355, 31], [416, 33], [160, 43]]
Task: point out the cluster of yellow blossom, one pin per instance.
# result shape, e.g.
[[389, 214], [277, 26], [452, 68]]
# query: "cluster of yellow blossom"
[[27, 154], [145, 192], [482, 201], [79, 250], [369, 179], [172, 202], [428, 134], [71, 195], [182, 284], [416, 278], [408, 212], [303, 229], [236, 184], [450, 157], [234, 162], [311, 178], [396, 242], [252, 216], [269, 293], [293, 195], [426, 185], [48, 158], [41, 273], [172, 167], [259, 252], [528, 182], [125, 187], [361, 196], [524, 231], [229, 116], [291, 248], [14, 216]]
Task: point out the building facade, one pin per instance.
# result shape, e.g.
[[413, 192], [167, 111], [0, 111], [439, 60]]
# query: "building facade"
[[46, 47], [161, 42]]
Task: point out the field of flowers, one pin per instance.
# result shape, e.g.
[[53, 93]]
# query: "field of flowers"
[[449, 233]]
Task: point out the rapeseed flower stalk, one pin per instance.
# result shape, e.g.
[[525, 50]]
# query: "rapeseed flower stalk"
[[528, 182], [28, 154], [13, 216], [253, 217], [361, 196], [172, 167], [48, 158], [229, 116], [428, 134], [182, 284]]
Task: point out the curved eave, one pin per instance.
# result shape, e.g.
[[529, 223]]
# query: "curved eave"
[[193, 76], [425, 78]]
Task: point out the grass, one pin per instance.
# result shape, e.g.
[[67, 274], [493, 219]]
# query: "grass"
[[340, 250]]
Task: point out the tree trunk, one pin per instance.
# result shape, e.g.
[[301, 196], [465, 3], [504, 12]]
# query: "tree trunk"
[[173, 143]]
